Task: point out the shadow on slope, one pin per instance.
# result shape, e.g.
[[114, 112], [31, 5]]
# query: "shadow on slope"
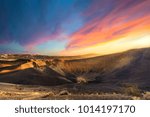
[[32, 76]]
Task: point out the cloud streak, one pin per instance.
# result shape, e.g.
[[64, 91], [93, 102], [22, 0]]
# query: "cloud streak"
[[118, 22], [78, 26]]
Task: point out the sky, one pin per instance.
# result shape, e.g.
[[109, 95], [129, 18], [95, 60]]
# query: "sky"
[[73, 27]]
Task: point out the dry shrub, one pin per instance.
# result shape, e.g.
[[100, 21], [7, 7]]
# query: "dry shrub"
[[64, 92], [131, 89], [146, 96], [81, 80], [51, 94]]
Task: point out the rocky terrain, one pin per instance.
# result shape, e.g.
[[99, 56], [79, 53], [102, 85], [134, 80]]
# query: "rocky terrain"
[[123, 75]]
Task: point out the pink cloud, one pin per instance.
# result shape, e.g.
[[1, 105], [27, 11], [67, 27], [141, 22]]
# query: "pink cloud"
[[98, 30]]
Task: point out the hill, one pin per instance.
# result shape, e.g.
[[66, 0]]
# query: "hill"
[[115, 70]]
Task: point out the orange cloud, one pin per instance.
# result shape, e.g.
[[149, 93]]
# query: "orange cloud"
[[117, 25]]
